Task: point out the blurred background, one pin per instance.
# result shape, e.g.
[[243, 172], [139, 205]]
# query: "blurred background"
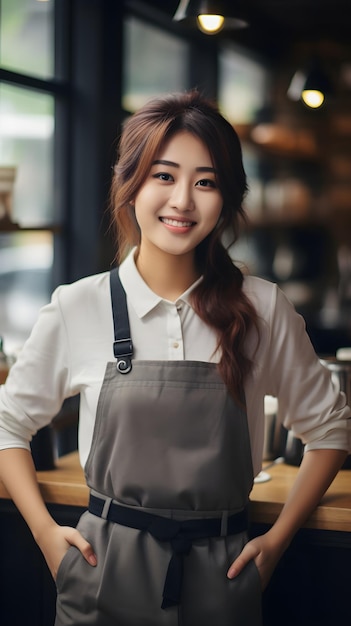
[[72, 70]]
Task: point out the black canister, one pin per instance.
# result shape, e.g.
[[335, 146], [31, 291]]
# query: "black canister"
[[43, 450], [294, 449]]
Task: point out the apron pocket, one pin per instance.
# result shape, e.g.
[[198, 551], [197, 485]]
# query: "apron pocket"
[[65, 565], [68, 559], [74, 567], [209, 597], [77, 582]]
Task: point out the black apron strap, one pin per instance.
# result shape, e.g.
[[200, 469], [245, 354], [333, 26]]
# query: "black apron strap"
[[122, 345]]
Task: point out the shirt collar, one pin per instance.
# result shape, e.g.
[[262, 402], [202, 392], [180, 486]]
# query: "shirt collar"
[[141, 297]]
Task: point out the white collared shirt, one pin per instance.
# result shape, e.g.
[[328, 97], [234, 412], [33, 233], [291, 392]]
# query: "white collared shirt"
[[72, 341]]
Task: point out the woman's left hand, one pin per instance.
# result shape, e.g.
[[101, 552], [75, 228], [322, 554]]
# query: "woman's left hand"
[[317, 470], [264, 552]]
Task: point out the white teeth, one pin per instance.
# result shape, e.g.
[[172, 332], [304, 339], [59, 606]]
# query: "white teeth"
[[170, 222]]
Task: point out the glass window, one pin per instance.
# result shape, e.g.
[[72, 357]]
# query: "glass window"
[[26, 167], [27, 36], [242, 86], [25, 283], [26, 143], [155, 62]]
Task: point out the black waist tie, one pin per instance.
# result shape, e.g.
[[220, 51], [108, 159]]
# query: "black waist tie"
[[180, 534]]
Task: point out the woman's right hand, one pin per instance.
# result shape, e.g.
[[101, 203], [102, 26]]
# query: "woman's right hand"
[[56, 540], [19, 476]]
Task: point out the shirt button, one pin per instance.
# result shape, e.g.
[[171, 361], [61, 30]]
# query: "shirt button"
[[176, 344]]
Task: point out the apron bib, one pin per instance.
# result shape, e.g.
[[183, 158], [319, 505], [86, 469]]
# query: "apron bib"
[[170, 463]]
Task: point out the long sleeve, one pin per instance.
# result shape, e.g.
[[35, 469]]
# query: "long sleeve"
[[38, 383], [309, 400]]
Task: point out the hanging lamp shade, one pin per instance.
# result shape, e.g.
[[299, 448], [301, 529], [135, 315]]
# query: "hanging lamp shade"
[[312, 86], [210, 15]]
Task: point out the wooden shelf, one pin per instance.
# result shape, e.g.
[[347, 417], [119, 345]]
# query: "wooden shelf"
[[281, 141], [6, 226]]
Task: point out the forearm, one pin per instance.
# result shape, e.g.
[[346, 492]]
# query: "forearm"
[[18, 474], [317, 471]]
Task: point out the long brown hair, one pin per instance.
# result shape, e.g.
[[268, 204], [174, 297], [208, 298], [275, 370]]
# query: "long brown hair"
[[218, 299]]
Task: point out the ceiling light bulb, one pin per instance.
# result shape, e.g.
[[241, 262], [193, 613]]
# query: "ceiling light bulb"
[[313, 98], [210, 24]]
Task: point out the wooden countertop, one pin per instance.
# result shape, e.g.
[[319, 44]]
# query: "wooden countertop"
[[333, 512], [66, 485]]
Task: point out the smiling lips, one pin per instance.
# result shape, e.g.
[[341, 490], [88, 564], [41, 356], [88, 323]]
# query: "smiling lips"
[[176, 223]]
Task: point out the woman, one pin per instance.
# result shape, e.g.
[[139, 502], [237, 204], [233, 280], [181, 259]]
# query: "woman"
[[172, 437]]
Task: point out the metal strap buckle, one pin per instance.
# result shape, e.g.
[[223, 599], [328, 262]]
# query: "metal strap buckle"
[[123, 351]]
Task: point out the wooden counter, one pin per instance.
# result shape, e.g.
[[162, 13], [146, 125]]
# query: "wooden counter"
[[65, 485], [333, 513]]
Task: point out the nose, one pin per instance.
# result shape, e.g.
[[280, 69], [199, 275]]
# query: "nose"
[[181, 198]]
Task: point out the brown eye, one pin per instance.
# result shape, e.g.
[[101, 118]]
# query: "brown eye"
[[206, 182], [163, 176]]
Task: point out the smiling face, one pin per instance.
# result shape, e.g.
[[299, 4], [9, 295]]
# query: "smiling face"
[[179, 203]]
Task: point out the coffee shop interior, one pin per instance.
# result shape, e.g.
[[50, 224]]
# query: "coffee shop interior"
[[71, 71]]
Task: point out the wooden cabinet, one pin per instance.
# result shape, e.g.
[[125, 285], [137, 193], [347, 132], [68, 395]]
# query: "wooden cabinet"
[[27, 590]]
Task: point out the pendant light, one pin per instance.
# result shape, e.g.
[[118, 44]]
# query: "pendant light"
[[311, 85], [210, 15]]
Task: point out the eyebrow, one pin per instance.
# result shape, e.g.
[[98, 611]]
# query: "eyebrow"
[[172, 164]]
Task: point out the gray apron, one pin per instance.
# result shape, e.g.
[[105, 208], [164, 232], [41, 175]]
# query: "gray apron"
[[170, 450]]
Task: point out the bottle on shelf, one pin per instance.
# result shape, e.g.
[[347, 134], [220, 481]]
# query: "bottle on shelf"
[[4, 365]]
